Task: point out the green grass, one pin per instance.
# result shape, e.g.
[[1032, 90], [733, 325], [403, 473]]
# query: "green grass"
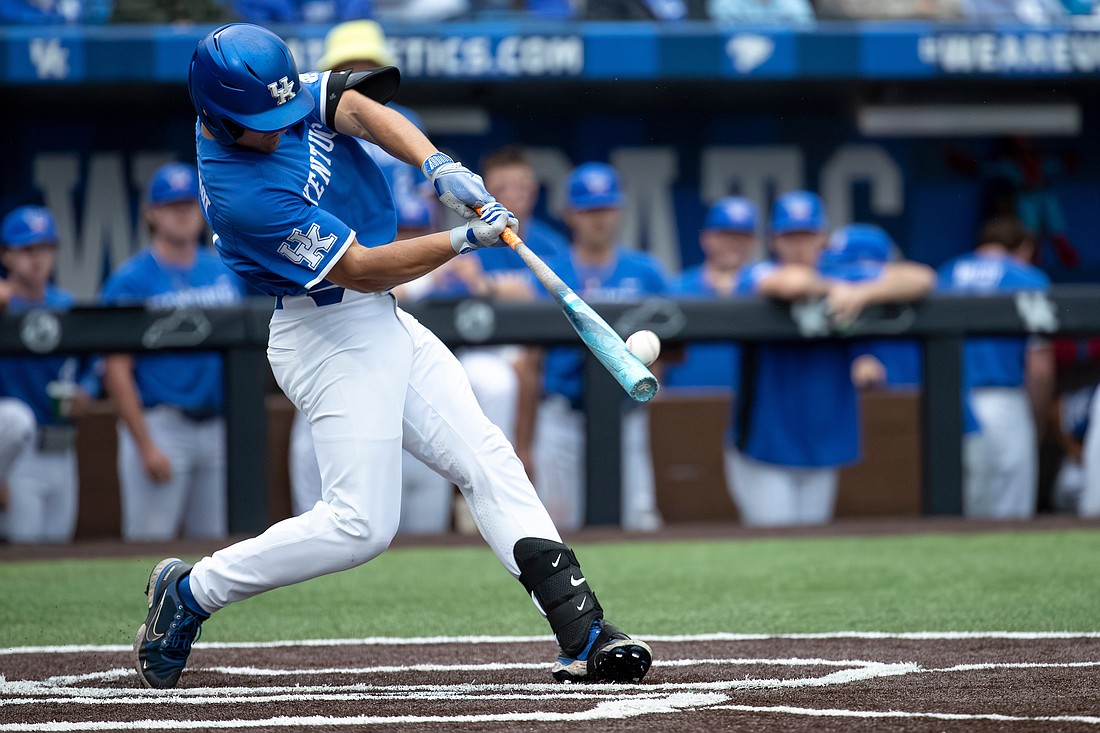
[[1033, 581]]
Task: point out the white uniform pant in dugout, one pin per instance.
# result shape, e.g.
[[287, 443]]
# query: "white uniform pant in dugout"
[[371, 379], [194, 498], [770, 495], [41, 475], [1001, 462], [560, 462]]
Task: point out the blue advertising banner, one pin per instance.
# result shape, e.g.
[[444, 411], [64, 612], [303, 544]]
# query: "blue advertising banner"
[[498, 52]]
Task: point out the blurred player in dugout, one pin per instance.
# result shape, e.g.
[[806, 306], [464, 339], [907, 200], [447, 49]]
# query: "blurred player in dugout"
[[599, 269], [729, 243], [1009, 381], [39, 395], [796, 419], [171, 455]]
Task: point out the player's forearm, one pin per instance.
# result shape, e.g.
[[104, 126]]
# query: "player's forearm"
[[364, 118], [900, 282], [118, 378], [376, 269], [793, 282]]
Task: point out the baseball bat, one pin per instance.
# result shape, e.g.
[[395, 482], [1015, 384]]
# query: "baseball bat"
[[599, 337]]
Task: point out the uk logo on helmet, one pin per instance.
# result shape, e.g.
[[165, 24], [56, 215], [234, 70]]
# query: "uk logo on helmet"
[[282, 91]]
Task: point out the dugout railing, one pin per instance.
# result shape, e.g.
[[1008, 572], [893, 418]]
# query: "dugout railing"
[[940, 323]]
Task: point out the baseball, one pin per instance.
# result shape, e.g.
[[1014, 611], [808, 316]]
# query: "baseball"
[[645, 345]]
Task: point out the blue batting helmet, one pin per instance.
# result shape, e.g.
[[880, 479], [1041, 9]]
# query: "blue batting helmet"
[[243, 77]]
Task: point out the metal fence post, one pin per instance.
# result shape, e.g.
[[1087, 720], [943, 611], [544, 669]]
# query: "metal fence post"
[[941, 423], [603, 402], [246, 380]]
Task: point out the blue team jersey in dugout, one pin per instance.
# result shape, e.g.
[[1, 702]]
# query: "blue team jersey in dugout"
[[993, 361], [705, 364], [628, 276], [797, 405], [26, 378], [193, 380], [282, 220]]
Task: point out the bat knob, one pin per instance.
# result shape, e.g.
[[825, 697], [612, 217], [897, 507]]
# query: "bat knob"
[[644, 389]]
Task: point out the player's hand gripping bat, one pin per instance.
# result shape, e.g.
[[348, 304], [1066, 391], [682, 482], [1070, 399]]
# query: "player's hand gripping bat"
[[599, 337]]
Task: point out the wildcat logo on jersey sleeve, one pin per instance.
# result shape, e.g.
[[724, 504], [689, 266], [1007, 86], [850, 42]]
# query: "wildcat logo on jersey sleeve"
[[309, 248]]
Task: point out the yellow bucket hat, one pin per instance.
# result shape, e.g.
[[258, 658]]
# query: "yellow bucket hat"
[[356, 39]]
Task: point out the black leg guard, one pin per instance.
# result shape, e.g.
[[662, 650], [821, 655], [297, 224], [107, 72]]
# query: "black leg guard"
[[551, 574]]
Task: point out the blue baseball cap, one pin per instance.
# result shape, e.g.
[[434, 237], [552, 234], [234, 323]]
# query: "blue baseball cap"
[[174, 182], [859, 243], [594, 186], [28, 225], [798, 211], [413, 212], [732, 213]]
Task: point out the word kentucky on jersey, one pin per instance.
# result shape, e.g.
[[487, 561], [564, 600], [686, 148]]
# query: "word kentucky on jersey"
[[320, 165]]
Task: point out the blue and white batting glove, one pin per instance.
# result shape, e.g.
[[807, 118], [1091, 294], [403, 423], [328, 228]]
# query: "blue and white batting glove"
[[483, 231], [457, 186]]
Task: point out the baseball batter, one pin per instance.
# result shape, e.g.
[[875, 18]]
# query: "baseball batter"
[[302, 213], [171, 433], [38, 394]]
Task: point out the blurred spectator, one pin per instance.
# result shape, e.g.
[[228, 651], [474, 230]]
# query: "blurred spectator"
[[171, 11], [36, 12], [39, 395], [796, 419], [171, 458], [360, 45], [302, 11], [728, 240], [1010, 380], [1031, 12], [419, 11], [760, 11], [599, 270], [888, 9], [664, 10]]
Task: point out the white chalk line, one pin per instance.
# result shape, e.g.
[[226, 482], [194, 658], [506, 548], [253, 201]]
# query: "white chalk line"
[[827, 713], [681, 638], [610, 709]]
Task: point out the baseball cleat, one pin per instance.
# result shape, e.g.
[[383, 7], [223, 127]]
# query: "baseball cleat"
[[609, 656], [164, 641]]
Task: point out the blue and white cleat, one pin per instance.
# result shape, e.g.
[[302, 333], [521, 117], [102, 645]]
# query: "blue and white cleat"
[[609, 656], [164, 641]]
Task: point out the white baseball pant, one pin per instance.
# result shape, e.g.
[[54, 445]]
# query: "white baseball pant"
[[770, 495], [194, 499], [371, 379], [42, 484], [1001, 462], [1088, 505], [559, 455], [426, 496]]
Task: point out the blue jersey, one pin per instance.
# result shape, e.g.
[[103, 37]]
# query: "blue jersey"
[[26, 378], [282, 220], [797, 405], [628, 276], [992, 361], [192, 381], [705, 364]]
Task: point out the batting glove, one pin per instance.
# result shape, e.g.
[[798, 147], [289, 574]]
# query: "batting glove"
[[483, 231], [456, 185]]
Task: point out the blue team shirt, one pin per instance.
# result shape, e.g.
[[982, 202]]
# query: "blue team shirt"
[[191, 381], [540, 237], [628, 276], [282, 220], [705, 364], [802, 407], [991, 361], [26, 377]]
